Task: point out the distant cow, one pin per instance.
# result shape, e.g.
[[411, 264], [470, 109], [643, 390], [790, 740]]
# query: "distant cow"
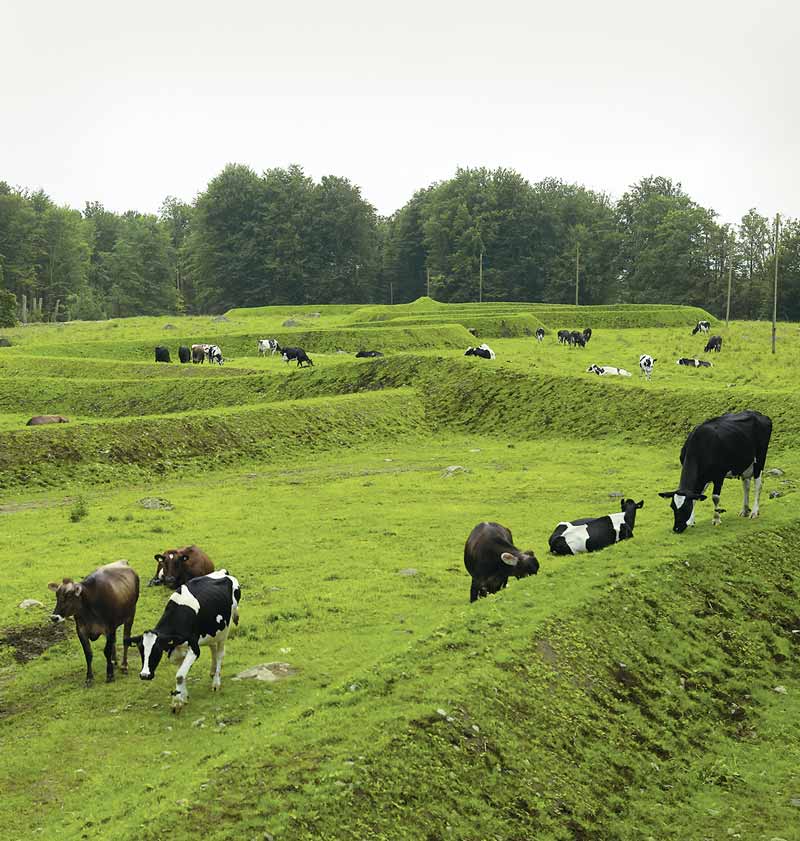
[[593, 533], [100, 603], [214, 354], [539, 334], [200, 613], [184, 354], [693, 363], [577, 339], [701, 327], [714, 343], [175, 567], [199, 353], [39, 420], [270, 346], [484, 351], [491, 557], [563, 337], [162, 354], [607, 371], [587, 333], [646, 363], [725, 447], [364, 354], [298, 354]]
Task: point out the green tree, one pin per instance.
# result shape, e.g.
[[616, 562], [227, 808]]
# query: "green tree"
[[8, 307]]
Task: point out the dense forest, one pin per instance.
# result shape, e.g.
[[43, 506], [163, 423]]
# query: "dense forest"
[[282, 238]]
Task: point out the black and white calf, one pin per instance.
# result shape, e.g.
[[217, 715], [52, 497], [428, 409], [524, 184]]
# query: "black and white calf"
[[297, 354], [268, 346], [491, 557], [368, 354], [214, 354], [484, 351], [539, 334], [732, 445], [200, 613], [646, 363], [607, 371], [714, 343], [702, 327], [593, 533], [693, 363]]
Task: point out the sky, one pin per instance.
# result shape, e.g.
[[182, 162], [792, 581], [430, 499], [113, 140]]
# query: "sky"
[[129, 103]]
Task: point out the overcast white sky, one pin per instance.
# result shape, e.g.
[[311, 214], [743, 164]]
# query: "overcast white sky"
[[128, 103]]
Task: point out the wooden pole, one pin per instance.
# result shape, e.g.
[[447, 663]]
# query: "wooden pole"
[[775, 289], [480, 280], [428, 271], [391, 292], [728, 305], [577, 270]]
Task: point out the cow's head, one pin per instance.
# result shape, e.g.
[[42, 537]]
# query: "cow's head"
[[682, 505], [629, 509], [69, 599], [151, 649], [520, 564], [173, 567]]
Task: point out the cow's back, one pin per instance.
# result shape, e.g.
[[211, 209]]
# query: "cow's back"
[[733, 440], [485, 544], [218, 595], [113, 591]]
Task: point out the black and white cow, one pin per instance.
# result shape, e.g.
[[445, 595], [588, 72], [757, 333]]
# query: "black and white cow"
[[298, 354], [270, 346], [577, 339], [693, 363], [539, 334], [491, 557], [200, 613], [702, 327], [593, 533], [730, 446], [214, 354], [563, 337], [646, 363], [368, 354], [714, 343], [587, 334], [484, 351], [162, 354], [607, 371]]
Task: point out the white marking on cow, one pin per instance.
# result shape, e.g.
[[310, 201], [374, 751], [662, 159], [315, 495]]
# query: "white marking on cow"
[[57, 616], [220, 619], [576, 537], [184, 597], [678, 499], [148, 641], [509, 559]]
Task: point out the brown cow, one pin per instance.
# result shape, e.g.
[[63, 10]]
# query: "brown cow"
[[38, 420], [100, 603], [199, 353], [177, 566]]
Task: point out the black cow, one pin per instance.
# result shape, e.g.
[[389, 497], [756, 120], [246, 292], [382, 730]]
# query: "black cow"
[[593, 533], [733, 445], [587, 333], [714, 343], [491, 557], [365, 354], [184, 354], [162, 354], [577, 339], [200, 613], [563, 337], [297, 353], [702, 327], [539, 334], [694, 363]]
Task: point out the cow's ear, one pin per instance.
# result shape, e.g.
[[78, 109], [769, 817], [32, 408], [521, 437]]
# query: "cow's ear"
[[52, 586], [701, 497], [128, 641], [183, 558], [159, 558], [640, 503], [78, 589], [509, 559], [667, 494]]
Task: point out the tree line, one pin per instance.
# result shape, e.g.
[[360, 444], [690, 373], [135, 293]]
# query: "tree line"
[[282, 238]]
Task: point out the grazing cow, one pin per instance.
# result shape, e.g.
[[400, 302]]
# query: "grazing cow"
[[539, 334], [646, 363], [214, 354], [268, 345], [200, 613], [365, 354], [162, 354], [587, 333], [730, 446], [297, 353], [607, 371], [100, 603], [577, 339], [39, 420], [490, 557], [693, 363], [199, 353], [593, 533], [184, 354], [563, 337], [484, 351], [702, 327], [175, 567], [714, 343]]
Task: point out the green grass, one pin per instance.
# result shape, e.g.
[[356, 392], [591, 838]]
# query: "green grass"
[[320, 489]]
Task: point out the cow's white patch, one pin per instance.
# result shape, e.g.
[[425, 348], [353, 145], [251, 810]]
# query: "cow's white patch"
[[148, 641], [679, 499], [576, 537], [508, 559], [184, 597], [220, 619], [616, 521], [58, 617]]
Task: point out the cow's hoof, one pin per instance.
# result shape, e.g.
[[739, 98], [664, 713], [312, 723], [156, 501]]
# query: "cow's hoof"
[[753, 515], [124, 668], [88, 682], [745, 512], [716, 522], [109, 678]]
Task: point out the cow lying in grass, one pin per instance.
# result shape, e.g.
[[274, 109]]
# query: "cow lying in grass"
[[593, 533], [175, 567], [693, 363], [607, 371]]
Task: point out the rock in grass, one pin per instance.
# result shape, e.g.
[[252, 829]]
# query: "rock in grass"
[[169, 327], [452, 470], [290, 322], [155, 503], [27, 603], [5, 342], [269, 672], [774, 494], [775, 471], [409, 571], [615, 495]]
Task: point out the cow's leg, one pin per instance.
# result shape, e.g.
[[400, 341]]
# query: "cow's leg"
[[212, 647], [474, 591], [754, 512], [127, 628], [180, 696], [216, 677], [110, 651], [745, 512], [87, 653], [716, 520]]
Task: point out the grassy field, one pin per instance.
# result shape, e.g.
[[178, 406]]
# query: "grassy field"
[[648, 691]]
